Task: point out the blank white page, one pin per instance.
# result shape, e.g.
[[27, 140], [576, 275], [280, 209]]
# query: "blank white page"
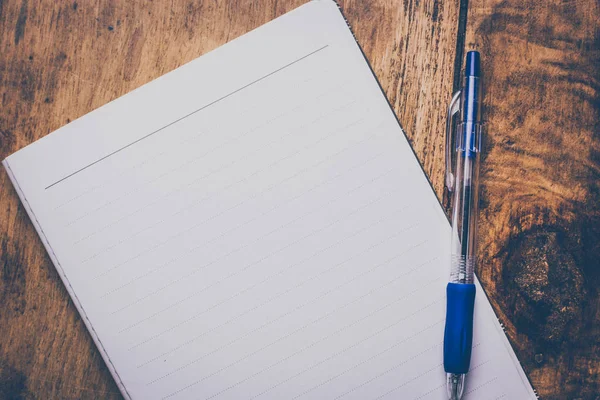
[[254, 224]]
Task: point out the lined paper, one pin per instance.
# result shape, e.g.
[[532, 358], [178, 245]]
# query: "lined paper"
[[255, 225]]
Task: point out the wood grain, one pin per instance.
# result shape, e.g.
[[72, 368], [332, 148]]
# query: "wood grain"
[[540, 222], [62, 59]]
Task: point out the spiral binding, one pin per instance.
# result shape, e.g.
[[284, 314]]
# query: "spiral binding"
[[345, 19], [537, 396]]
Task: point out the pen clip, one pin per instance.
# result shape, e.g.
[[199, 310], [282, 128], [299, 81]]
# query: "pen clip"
[[453, 108]]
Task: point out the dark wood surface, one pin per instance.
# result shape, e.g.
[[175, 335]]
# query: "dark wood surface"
[[540, 219], [540, 204]]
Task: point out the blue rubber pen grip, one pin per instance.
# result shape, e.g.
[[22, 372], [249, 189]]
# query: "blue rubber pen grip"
[[458, 335]]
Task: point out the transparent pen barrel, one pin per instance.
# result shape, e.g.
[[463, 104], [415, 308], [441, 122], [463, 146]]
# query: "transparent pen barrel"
[[462, 269], [465, 204]]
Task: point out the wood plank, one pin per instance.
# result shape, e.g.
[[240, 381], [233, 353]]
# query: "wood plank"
[[540, 205], [62, 59]]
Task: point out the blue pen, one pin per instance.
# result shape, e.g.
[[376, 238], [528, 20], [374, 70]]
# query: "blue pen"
[[462, 181]]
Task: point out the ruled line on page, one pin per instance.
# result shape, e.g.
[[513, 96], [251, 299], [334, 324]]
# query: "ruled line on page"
[[186, 116], [314, 343], [354, 345], [189, 251], [481, 385], [262, 259], [165, 173], [258, 239], [189, 139], [443, 385], [271, 165], [435, 389], [279, 250], [387, 371], [228, 141], [404, 274], [315, 209], [437, 366], [371, 358], [207, 175], [319, 207], [276, 319]]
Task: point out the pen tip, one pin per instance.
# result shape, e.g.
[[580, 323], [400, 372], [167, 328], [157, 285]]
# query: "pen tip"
[[455, 384], [473, 65]]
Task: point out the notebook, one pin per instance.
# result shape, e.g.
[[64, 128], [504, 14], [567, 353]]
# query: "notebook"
[[255, 225]]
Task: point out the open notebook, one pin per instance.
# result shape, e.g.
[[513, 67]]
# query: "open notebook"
[[255, 225]]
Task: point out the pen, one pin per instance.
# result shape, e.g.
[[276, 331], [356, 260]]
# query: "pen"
[[462, 182]]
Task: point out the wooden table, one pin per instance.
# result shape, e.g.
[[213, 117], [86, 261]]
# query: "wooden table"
[[540, 202]]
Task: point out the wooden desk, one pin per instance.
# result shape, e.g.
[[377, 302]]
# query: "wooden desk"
[[540, 222]]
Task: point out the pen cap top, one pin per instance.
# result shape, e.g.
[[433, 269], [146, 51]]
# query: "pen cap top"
[[473, 67]]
